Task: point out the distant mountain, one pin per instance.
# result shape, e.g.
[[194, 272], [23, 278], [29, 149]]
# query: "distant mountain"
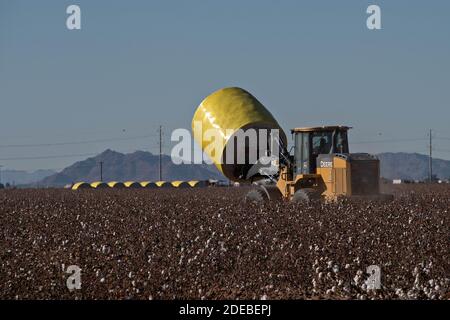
[[18, 177], [141, 166], [411, 166], [137, 166]]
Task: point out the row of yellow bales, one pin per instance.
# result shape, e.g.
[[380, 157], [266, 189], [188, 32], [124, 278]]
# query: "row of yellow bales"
[[139, 185]]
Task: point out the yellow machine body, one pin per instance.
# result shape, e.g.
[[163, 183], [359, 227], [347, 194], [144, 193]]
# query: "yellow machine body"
[[351, 176], [337, 179]]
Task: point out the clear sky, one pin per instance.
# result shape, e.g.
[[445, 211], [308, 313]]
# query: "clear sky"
[[137, 64]]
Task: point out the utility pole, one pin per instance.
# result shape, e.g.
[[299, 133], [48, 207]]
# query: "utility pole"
[[101, 171], [1, 174], [160, 152], [431, 158]]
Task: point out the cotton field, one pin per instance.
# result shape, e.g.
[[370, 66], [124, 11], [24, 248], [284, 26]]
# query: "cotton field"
[[209, 244]]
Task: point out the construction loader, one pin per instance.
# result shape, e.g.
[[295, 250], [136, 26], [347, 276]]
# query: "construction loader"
[[319, 166]]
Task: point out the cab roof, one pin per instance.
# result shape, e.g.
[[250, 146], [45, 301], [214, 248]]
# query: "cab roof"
[[322, 128]]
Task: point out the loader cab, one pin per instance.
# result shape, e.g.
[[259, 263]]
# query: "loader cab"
[[312, 141]]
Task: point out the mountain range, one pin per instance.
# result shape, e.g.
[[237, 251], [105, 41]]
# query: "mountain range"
[[411, 166], [141, 166], [21, 177]]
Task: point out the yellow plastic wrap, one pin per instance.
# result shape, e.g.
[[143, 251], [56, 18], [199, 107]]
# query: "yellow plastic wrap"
[[99, 185], [81, 185], [163, 184], [148, 184], [229, 110], [116, 185], [193, 183], [132, 184], [180, 184], [197, 184]]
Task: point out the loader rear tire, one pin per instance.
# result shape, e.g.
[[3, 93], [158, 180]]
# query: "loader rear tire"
[[306, 195]]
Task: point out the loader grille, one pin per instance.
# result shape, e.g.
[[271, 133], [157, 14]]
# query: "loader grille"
[[365, 176]]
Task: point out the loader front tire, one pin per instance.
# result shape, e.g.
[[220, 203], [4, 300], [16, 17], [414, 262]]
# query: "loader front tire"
[[261, 194], [306, 195]]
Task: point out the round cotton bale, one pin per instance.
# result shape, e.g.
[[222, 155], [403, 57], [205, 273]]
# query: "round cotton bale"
[[148, 185], [180, 184], [132, 185], [99, 185], [81, 185], [163, 184], [197, 184], [227, 114], [116, 185]]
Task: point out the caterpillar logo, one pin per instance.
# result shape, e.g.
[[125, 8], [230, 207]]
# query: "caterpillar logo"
[[326, 164]]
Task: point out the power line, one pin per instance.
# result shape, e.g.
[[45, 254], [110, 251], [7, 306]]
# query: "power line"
[[71, 155], [101, 171], [75, 142], [431, 157], [78, 165], [441, 150], [160, 153], [50, 157], [390, 140]]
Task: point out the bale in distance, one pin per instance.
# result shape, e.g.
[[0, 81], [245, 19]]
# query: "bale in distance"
[[180, 184], [81, 185], [163, 184], [99, 185], [132, 184], [197, 184], [116, 185], [148, 184]]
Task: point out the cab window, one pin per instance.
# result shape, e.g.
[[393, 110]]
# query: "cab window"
[[322, 142], [341, 142]]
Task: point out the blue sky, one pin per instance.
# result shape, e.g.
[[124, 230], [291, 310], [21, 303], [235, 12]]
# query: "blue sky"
[[137, 64]]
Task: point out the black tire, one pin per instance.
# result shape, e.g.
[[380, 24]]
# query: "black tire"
[[306, 195], [273, 192], [261, 194], [256, 195]]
